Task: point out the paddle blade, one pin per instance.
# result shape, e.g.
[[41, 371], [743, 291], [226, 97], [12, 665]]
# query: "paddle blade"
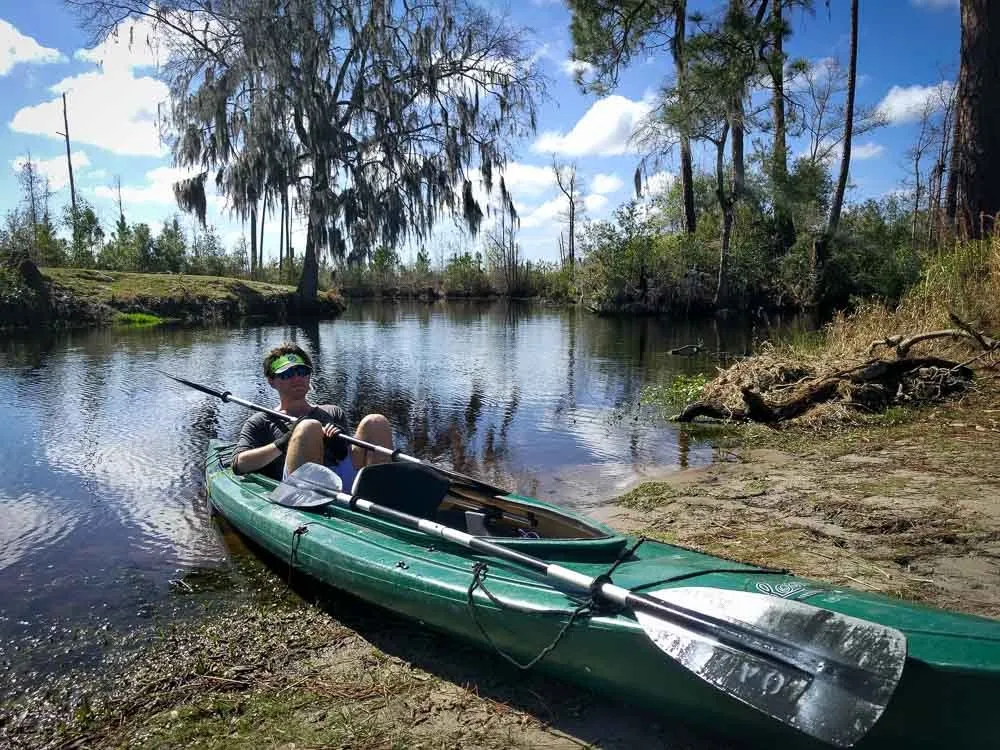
[[857, 663], [304, 487]]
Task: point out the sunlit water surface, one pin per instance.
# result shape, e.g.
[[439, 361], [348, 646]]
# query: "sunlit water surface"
[[105, 524]]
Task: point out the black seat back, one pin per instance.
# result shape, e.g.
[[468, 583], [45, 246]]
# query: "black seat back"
[[404, 486]]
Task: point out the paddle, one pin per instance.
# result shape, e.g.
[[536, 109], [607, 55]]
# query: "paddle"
[[826, 674], [396, 455]]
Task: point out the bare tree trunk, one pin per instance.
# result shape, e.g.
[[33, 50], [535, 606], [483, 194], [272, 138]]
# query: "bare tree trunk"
[[845, 158], [281, 238], [260, 246], [680, 66], [944, 153], [33, 195], [821, 246], [309, 280], [288, 231], [567, 184], [69, 161], [954, 165], [726, 204], [739, 165], [779, 175], [977, 141], [253, 240]]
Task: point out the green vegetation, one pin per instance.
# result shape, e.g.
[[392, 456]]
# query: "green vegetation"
[[649, 495], [138, 320], [681, 390]]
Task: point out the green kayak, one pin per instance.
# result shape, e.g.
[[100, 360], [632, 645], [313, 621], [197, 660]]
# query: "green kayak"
[[950, 681]]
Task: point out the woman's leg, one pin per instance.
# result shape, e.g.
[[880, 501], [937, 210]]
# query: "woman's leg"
[[376, 429], [305, 446]]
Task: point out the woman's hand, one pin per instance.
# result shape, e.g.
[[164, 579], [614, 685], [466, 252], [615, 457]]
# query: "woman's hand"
[[330, 431]]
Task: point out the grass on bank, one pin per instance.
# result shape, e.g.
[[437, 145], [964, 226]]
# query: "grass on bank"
[[139, 320], [120, 287], [965, 279]]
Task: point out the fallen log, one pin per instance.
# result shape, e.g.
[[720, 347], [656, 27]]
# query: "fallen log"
[[688, 350], [871, 386], [713, 409], [760, 411], [902, 344]]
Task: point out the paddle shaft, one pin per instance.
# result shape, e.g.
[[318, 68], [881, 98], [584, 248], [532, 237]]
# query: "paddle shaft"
[[395, 455], [740, 636]]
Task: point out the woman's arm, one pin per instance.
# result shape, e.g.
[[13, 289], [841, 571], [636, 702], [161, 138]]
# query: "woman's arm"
[[256, 446], [253, 459]]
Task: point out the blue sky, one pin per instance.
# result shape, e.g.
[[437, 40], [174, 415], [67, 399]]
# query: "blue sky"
[[908, 53]]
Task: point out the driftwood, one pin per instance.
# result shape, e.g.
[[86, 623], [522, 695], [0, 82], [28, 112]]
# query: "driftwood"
[[713, 409], [871, 386], [688, 350], [903, 344]]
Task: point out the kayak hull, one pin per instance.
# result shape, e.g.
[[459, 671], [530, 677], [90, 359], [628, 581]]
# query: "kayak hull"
[[949, 685]]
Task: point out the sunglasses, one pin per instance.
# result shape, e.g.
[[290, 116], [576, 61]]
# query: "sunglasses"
[[299, 371]]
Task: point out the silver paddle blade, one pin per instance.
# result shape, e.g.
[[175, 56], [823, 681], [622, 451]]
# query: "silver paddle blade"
[[858, 663], [303, 487]]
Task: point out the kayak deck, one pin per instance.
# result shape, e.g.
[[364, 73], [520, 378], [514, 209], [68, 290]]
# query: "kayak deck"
[[950, 655]]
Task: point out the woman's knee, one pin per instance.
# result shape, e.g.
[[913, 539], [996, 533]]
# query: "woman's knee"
[[307, 429], [374, 428], [375, 422]]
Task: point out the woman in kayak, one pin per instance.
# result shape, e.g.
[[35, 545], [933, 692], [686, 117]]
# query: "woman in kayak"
[[267, 445]]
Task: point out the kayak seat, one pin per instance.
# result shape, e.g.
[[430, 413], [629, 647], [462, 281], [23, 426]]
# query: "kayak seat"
[[407, 487], [471, 522]]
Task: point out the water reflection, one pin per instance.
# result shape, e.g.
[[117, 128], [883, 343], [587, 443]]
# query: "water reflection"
[[102, 488]]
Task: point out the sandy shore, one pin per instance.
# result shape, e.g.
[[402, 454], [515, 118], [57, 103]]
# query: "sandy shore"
[[910, 511]]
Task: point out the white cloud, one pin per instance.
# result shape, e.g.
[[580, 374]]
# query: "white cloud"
[[112, 110], [572, 67], [55, 168], [110, 107], [595, 202], [935, 4], [604, 184], [16, 48], [604, 130], [905, 104], [528, 180], [867, 151], [544, 213], [136, 45]]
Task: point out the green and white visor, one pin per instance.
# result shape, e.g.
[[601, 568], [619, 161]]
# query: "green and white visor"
[[286, 361]]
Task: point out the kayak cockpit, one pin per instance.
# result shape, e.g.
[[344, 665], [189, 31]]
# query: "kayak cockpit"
[[506, 516], [420, 491]]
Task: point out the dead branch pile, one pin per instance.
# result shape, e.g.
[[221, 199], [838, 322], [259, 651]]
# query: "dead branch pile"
[[770, 389]]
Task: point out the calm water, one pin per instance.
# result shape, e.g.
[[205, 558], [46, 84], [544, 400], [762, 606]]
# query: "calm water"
[[105, 525]]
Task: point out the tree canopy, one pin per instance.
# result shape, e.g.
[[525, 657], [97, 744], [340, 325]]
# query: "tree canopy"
[[377, 114]]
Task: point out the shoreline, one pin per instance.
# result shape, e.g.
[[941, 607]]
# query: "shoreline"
[[903, 509], [60, 298], [66, 298]]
